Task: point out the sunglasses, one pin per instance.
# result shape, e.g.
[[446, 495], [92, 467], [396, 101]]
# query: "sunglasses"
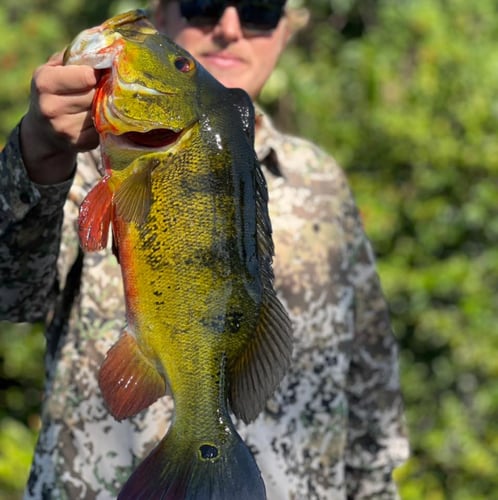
[[254, 15]]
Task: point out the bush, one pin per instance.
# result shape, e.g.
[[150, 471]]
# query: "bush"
[[411, 113]]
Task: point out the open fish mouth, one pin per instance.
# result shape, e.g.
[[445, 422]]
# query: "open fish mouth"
[[134, 129], [158, 138]]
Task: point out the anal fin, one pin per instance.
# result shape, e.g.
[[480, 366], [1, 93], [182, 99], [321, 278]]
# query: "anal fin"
[[128, 380]]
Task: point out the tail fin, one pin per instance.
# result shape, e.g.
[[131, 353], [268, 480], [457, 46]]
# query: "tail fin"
[[196, 471]]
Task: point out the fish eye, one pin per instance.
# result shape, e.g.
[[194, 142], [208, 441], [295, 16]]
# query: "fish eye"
[[183, 64]]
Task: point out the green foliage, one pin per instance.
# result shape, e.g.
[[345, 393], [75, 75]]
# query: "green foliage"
[[16, 450], [407, 103], [21, 380], [402, 92], [21, 373]]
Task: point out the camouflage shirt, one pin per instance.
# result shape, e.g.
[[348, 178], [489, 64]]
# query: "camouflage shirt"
[[334, 428]]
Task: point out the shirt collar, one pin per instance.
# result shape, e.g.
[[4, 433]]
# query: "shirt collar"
[[268, 141]]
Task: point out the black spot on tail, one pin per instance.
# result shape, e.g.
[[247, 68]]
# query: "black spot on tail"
[[208, 452]]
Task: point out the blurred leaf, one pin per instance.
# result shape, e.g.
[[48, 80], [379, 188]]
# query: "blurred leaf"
[[16, 449]]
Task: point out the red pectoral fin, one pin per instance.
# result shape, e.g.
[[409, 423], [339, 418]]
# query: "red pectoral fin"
[[95, 217], [128, 380]]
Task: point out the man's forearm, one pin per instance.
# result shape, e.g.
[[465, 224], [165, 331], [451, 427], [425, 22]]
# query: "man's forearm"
[[30, 227]]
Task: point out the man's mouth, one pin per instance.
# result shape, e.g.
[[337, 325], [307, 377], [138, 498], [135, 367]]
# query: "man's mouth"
[[222, 59]]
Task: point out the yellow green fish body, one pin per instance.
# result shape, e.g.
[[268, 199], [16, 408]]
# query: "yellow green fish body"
[[187, 203]]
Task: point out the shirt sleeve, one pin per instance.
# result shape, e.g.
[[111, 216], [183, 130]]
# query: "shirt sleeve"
[[30, 230], [377, 440]]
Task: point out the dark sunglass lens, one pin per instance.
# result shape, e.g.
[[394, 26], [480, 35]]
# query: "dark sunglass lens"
[[260, 15], [257, 15], [202, 11]]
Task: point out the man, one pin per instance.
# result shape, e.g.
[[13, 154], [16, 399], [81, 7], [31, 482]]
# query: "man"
[[333, 429]]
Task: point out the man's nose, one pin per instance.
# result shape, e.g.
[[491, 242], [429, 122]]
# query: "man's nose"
[[228, 26]]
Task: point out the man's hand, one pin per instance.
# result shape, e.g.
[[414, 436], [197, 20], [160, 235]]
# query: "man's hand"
[[58, 123]]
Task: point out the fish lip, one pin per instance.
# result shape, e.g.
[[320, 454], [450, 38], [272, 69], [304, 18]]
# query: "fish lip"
[[133, 87], [128, 124]]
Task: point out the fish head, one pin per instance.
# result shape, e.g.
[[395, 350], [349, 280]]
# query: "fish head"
[[149, 90]]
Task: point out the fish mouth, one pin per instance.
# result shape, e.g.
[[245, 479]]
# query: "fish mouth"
[[138, 135], [157, 138], [136, 127]]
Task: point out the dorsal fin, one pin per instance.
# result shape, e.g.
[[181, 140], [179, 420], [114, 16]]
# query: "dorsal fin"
[[256, 374]]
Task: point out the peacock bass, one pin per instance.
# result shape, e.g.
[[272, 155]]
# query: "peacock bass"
[[187, 203]]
